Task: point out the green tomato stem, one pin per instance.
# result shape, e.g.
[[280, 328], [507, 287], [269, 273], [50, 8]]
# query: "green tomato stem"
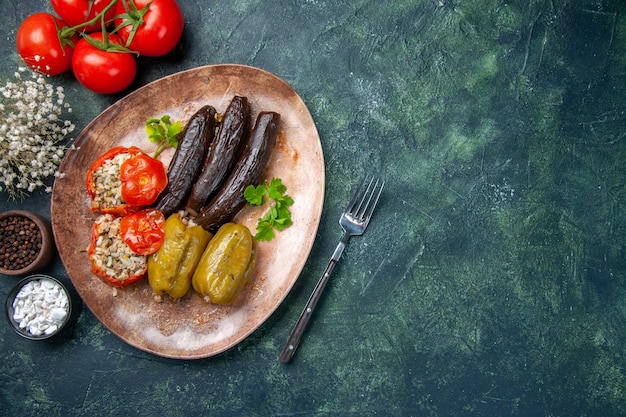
[[99, 17], [133, 16]]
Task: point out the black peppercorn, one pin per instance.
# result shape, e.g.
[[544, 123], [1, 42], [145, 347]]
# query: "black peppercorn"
[[20, 242]]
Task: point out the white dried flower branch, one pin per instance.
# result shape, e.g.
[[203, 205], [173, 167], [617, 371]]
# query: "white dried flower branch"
[[31, 132]]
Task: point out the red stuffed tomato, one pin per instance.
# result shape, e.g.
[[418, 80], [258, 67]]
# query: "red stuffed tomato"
[[102, 71], [40, 45], [77, 12], [143, 231], [143, 178], [110, 257], [104, 184], [159, 25]]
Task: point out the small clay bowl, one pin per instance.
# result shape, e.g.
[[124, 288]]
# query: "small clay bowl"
[[44, 254], [59, 307]]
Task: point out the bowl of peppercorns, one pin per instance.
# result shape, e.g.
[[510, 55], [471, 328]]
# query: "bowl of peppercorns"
[[26, 242]]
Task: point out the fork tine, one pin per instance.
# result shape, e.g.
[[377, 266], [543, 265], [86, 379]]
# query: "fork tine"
[[365, 200], [372, 201], [363, 191], [361, 209], [352, 207]]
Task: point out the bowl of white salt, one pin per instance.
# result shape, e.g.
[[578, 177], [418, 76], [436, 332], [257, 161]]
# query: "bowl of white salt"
[[40, 307]]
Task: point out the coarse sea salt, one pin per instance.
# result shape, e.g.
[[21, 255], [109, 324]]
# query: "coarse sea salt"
[[40, 307]]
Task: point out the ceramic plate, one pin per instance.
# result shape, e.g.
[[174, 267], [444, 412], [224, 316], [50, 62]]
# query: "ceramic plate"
[[191, 328]]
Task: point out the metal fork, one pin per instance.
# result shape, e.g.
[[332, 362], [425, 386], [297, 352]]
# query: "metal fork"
[[353, 221]]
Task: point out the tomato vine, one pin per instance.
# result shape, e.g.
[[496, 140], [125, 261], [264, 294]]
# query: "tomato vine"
[[46, 42]]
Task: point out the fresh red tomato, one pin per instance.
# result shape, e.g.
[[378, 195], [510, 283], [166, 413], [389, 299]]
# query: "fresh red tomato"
[[157, 25], [77, 12], [103, 71], [143, 231], [41, 46], [143, 178]]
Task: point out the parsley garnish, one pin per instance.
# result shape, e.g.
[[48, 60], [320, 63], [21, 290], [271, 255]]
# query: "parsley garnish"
[[279, 216], [163, 132]]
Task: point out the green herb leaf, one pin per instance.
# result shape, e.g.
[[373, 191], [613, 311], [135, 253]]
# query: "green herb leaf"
[[276, 189], [279, 216], [287, 201], [264, 230], [163, 132], [254, 195], [283, 218]]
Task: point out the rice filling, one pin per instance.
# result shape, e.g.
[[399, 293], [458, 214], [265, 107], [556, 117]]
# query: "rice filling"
[[107, 183], [111, 254]]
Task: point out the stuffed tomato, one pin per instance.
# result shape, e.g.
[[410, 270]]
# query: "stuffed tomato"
[[123, 180], [110, 257]]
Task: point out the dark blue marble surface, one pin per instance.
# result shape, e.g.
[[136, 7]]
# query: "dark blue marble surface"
[[491, 282]]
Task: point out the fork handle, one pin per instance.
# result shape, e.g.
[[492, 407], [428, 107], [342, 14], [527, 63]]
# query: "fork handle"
[[296, 334]]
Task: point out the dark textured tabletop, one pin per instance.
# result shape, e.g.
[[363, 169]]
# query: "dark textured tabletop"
[[491, 281]]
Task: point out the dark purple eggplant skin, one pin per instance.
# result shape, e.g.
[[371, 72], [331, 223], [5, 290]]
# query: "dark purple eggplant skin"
[[247, 171], [187, 161], [232, 133]]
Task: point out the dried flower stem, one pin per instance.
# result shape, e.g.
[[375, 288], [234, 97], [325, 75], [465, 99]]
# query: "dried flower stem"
[[31, 132]]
